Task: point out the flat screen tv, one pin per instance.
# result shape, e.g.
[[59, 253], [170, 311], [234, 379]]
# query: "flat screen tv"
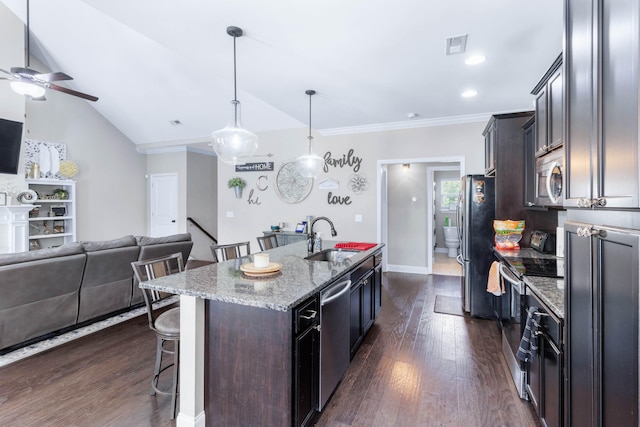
[[10, 141]]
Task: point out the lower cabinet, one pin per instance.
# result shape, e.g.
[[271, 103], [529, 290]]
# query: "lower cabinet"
[[377, 284], [545, 383], [601, 309], [306, 362], [362, 309]]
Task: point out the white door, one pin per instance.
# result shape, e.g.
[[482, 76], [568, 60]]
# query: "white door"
[[164, 204]]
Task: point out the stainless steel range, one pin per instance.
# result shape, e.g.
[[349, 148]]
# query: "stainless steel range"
[[511, 313]]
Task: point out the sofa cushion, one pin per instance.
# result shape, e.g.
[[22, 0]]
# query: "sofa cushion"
[[109, 244], [146, 241], [60, 251]]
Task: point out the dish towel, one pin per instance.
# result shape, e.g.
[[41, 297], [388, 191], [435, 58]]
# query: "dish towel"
[[494, 284], [528, 348]]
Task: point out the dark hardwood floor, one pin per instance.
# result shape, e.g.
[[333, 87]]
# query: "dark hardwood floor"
[[415, 368]]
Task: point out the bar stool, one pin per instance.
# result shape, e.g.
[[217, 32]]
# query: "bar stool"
[[166, 325], [268, 241], [230, 251]]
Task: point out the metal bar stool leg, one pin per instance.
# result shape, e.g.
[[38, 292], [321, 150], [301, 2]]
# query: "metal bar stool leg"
[[176, 370], [156, 369]]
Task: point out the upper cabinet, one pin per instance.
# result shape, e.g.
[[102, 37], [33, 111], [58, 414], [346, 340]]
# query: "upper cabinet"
[[549, 117], [601, 96]]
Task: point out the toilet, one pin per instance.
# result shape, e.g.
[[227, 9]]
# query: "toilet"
[[451, 240]]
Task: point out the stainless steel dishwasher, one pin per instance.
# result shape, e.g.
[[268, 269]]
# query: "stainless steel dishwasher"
[[334, 338]]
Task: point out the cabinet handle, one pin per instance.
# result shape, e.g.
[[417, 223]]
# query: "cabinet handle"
[[589, 231], [600, 202], [311, 316]]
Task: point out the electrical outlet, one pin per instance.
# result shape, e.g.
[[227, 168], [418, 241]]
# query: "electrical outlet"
[[358, 218], [229, 214]]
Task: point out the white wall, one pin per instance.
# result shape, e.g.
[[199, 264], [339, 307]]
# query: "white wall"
[[249, 220], [202, 200], [12, 105]]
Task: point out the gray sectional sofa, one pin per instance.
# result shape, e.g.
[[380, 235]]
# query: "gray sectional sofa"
[[48, 290]]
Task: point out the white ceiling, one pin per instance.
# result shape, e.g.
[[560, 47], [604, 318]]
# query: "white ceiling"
[[370, 61]]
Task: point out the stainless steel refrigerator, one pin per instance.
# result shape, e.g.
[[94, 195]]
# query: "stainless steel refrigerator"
[[476, 212]]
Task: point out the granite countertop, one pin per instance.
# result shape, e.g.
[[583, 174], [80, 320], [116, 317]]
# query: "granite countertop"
[[549, 290], [298, 280]]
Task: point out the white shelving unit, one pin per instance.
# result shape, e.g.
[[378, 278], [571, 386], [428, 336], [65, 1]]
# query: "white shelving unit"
[[49, 229]]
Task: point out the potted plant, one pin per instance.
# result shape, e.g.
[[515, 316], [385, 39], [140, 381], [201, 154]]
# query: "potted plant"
[[238, 184]]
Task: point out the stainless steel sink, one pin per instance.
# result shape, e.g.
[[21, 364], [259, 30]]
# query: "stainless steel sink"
[[332, 255]]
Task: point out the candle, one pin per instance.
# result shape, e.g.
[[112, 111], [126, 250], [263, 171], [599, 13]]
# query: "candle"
[[261, 260]]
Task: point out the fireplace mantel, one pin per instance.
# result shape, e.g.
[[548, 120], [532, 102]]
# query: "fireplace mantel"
[[14, 228]]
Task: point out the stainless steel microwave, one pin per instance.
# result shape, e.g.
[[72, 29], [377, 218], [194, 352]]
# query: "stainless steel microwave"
[[550, 179]]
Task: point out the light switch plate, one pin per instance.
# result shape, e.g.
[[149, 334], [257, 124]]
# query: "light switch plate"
[[358, 218], [229, 214]]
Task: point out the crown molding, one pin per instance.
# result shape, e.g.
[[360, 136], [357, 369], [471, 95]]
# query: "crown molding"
[[412, 124]]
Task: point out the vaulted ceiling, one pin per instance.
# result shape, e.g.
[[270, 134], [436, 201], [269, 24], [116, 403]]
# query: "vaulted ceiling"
[[371, 62]]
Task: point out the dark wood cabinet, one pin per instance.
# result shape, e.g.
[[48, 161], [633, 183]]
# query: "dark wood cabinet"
[[549, 110], [362, 310], [545, 385], [601, 311], [366, 286], [602, 97], [377, 284], [306, 362], [508, 138], [529, 130], [490, 149]]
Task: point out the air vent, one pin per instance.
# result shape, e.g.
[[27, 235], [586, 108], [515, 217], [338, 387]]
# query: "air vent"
[[456, 44]]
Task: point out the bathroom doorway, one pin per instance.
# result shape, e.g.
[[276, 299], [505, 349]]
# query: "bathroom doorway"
[[445, 184], [406, 211]]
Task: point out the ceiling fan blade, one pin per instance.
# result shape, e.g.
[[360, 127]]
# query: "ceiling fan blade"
[[24, 71], [72, 92], [53, 77]]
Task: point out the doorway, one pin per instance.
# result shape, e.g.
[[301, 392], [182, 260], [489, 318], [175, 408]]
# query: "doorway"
[[163, 204], [406, 209]]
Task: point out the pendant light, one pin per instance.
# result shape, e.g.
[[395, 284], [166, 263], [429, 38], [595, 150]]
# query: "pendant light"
[[310, 165], [233, 142]]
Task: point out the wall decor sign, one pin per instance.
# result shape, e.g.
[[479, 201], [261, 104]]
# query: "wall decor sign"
[[290, 185], [347, 160], [338, 200], [255, 167], [261, 182], [329, 184], [358, 183], [47, 155]]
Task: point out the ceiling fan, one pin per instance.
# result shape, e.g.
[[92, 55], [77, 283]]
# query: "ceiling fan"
[[31, 83]]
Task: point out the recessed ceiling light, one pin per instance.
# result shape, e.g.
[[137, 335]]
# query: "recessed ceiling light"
[[469, 93], [475, 59], [412, 115]]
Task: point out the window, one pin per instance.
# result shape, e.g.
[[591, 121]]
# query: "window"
[[449, 193]]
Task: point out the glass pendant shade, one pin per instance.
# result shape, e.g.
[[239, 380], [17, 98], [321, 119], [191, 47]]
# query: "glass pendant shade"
[[232, 143], [310, 165], [28, 89]]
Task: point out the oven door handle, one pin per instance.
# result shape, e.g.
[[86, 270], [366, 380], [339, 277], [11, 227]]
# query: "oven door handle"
[[507, 275]]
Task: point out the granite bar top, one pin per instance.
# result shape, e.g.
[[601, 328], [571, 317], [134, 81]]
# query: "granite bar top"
[[298, 279], [550, 290]]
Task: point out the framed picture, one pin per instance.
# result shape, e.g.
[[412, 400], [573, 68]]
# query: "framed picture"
[[300, 227], [3, 199]]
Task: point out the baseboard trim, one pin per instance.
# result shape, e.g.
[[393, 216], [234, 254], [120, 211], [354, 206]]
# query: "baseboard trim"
[[408, 269]]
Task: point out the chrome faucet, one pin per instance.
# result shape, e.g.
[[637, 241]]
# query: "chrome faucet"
[[312, 234]]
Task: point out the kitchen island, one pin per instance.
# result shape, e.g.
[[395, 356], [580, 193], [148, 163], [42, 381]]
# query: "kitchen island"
[[247, 357]]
